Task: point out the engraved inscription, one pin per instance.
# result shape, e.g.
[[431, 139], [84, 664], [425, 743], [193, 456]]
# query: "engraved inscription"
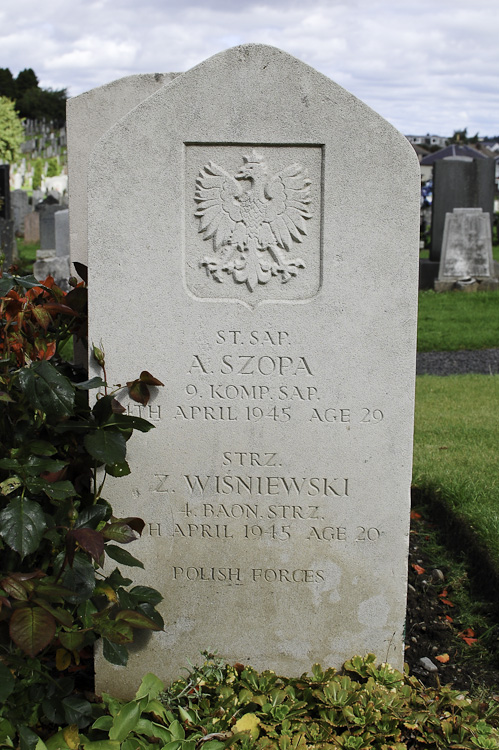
[[253, 218]]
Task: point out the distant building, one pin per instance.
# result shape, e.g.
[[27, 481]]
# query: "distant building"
[[427, 141]]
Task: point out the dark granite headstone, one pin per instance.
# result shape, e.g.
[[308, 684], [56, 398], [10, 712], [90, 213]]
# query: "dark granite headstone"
[[459, 184], [8, 247], [47, 225], [4, 191]]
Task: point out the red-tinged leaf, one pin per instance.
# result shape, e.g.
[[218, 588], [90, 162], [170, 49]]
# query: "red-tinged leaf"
[[419, 570], [45, 350], [60, 614], [42, 316], [137, 620], [444, 593], [32, 629], [469, 640], [4, 602], [89, 540], [415, 516], [137, 524], [116, 407], [138, 391], [449, 618], [148, 379], [56, 307], [443, 658], [447, 601], [54, 476], [28, 576], [14, 588], [119, 532]]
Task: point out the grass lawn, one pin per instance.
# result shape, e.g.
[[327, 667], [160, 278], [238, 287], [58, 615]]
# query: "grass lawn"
[[27, 254], [458, 320], [455, 453]]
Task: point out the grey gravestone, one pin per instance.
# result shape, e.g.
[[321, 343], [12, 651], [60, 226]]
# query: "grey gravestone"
[[4, 192], [32, 227], [280, 267], [459, 183], [20, 208], [466, 248], [47, 225], [89, 116], [61, 219], [49, 264], [8, 245]]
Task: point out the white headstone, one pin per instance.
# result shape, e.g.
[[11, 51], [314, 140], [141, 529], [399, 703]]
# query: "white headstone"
[[253, 243], [89, 116], [61, 220]]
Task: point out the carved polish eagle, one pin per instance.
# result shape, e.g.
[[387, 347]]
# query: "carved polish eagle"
[[253, 219]]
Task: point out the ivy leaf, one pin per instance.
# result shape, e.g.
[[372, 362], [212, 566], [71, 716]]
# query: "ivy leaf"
[[122, 556], [32, 628], [114, 653], [106, 446], [47, 389], [22, 524]]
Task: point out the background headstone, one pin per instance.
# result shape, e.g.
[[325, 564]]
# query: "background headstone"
[[32, 227], [466, 249], [4, 192], [47, 224], [89, 116], [61, 219], [275, 487], [459, 183], [20, 208], [8, 245]]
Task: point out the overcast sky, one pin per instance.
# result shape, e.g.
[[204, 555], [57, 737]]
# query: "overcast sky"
[[425, 65]]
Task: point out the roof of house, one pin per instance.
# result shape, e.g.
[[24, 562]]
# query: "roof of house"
[[453, 150]]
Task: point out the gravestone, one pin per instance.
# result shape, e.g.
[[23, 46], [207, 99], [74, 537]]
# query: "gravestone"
[[4, 192], [89, 116], [8, 244], [47, 224], [32, 227], [61, 220], [20, 208], [251, 208], [466, 250], [459, 183]]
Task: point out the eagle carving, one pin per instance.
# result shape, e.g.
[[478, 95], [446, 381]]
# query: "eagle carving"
[[254, 220]]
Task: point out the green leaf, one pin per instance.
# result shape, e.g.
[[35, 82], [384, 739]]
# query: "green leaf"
[[80, 578], [10, 485], [60, 614], [6, 284], [103, 722], [41, 448], [47, 389], [102, 745], [86, 385], [177, 730], [122, 556], [115, 653], [119, 532], [118, 470], [106, 446], [54, 490], [7, 682], [125, 721], [137, 620], [77, 710], [128, 421], [22, 524], [92, 516], [151, 686], [146, 594], [73, 641], [28, 739], [32, 628]]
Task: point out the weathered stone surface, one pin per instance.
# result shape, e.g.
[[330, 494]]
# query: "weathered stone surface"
[[275, 487], [467, 246], [61, 220], [47, 224], [32, 227], [89, 116], [20, 207]]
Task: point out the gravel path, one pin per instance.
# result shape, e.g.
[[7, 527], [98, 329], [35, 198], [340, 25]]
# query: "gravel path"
[[484, 362]]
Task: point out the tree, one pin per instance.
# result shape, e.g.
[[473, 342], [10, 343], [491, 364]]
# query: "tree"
[[7, 84], [26, 79], [11, 131]]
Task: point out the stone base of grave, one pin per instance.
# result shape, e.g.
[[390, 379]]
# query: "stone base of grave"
[[467, 285], [49, 264]]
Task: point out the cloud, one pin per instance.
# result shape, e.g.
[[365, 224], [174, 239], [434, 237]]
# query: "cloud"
[[423, 65]]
